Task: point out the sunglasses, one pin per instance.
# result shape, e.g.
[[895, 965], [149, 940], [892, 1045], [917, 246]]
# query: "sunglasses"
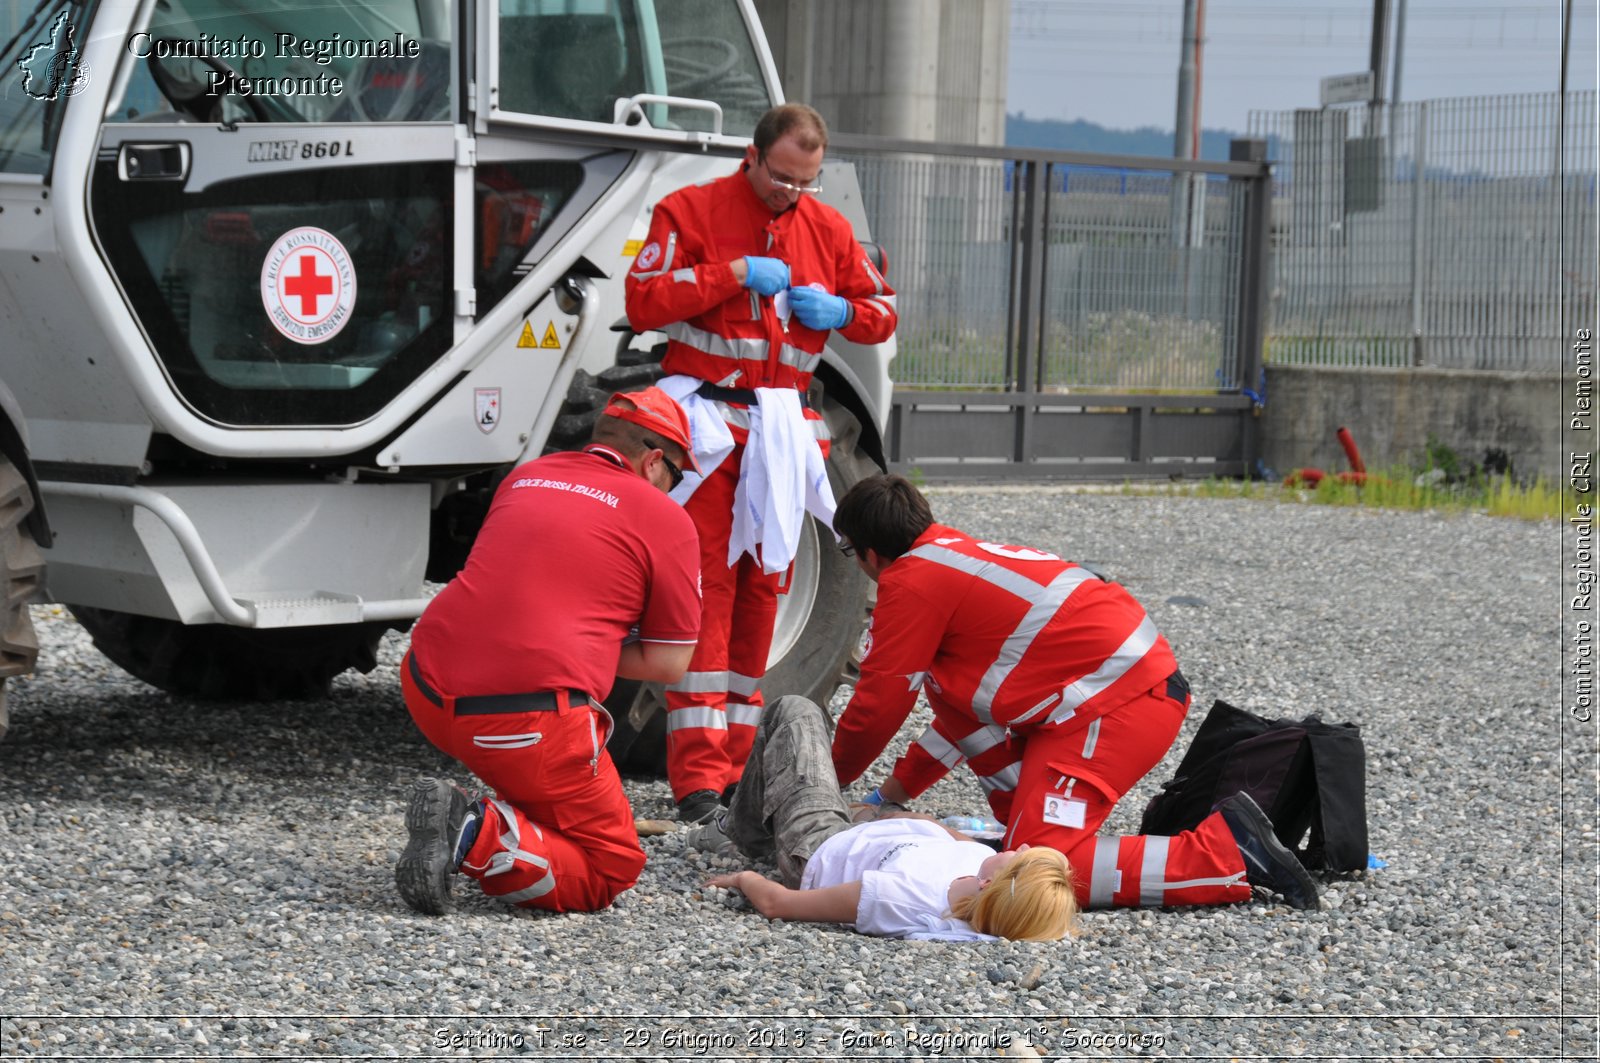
[[672, 471], [846, 548]]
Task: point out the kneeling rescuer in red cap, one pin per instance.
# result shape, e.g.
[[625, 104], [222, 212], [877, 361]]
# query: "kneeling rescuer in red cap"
[[584, 570]]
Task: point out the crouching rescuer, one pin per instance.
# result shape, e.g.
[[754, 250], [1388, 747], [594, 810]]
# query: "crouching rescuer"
[[584, 570], [1055, 688]]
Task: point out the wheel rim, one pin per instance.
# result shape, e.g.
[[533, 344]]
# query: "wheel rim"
[[794, 608]]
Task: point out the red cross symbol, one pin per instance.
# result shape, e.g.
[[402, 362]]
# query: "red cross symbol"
[[308, 286]]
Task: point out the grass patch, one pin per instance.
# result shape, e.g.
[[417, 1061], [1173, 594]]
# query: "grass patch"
[[1403, 489]]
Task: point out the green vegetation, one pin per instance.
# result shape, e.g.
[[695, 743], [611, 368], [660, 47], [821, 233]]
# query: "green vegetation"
[[1496, 495], [1399, 489], [1447, 482]]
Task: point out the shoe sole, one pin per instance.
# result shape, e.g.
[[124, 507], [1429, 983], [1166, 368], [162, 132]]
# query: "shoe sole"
[[1285, 860], [423, 872]]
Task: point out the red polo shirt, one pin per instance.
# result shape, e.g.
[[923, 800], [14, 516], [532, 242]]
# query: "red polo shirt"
[[574, 553]]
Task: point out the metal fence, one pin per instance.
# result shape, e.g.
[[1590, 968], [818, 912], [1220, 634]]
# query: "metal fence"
[[1453, 233], [1068, 314], [1135, 294]]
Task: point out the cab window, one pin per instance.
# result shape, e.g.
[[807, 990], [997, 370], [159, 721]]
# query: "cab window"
[[289, 61], [575, 59]]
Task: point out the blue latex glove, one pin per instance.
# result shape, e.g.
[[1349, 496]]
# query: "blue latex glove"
[[768, 276], [819, 310]]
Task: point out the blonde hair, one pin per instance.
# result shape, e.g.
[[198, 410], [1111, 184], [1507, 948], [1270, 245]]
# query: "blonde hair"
[[1030, 899]]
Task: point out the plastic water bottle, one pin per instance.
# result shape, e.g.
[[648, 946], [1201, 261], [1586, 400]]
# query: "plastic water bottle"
[[975, 826]]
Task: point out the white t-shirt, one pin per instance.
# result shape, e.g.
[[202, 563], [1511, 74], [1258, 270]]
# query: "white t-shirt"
[[905, 867]]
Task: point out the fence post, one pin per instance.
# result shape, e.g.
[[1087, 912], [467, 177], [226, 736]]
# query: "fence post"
[[1033, 237], [1419, 155], [1253, 277]]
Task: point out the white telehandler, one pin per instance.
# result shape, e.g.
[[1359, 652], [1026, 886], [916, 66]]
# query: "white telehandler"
[[287, 286]]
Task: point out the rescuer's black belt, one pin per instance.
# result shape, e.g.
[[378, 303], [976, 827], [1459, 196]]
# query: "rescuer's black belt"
[[493, 704], [743, 396]]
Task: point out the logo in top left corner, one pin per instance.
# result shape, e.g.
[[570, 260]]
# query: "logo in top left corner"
[[54, 67]]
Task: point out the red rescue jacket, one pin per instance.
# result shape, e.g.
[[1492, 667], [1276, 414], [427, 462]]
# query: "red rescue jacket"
[[1003, 638], [718, 330]]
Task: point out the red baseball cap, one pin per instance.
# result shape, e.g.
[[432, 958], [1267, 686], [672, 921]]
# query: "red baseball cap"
[[654, 409]]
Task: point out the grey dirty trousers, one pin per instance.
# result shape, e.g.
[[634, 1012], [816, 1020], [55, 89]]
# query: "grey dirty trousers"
[[788, 802]]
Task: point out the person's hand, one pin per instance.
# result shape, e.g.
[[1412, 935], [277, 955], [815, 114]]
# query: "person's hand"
[[819, 310], [727, 882], [765, 276], [861, 812]]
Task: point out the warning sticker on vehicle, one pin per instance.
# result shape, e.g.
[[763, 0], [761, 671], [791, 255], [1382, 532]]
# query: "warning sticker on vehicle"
[[308, 285]]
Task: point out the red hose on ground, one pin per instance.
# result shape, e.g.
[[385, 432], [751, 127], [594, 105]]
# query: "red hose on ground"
[[1348, 441]]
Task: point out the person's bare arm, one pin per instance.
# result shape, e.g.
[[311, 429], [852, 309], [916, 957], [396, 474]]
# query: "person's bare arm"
[[654, 662], [835, 904]]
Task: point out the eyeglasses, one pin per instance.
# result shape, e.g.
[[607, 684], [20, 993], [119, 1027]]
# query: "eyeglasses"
[[672, 471], [790, 186], [846, 548]]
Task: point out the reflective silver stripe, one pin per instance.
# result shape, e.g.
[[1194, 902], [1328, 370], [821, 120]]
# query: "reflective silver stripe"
[[1005, 779], [1130, 653], [739, 683], [938, 747], [741, 349], [701, 683], [1092, 739], [1234, 879], [1046, 603], [804, 361], [883, 304], [820, 430], [737, 416], [684, 276], [720, 346], [982, 740], [538, 889], [743, 714], [511, 844], [872, 274], [666, 259], [1104, 878], [701, 716], [1153, 872]]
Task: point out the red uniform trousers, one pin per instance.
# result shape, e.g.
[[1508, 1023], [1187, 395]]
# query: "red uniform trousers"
[[559, 833], [1095, 762], [714, 710]]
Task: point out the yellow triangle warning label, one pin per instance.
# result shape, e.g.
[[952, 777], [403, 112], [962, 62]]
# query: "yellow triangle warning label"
[[550, 338], [527, 338]]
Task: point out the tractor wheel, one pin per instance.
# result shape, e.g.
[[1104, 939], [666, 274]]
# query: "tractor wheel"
[[815, 637], [223, 662], [21, 569]]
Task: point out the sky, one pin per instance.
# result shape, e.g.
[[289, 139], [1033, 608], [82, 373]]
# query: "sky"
[[1115, 62]]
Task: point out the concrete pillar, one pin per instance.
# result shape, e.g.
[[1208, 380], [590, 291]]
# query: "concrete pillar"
[[913, 69]]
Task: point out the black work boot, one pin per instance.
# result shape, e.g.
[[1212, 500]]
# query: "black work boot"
[[435, 817], [699, 806], [1267, 863]]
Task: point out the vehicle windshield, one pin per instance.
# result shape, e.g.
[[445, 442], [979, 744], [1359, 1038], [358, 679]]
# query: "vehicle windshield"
[[289, 61], [577, 58]]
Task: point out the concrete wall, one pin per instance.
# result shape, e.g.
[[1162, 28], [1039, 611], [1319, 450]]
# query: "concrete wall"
[[917, 69], [1392, 412]]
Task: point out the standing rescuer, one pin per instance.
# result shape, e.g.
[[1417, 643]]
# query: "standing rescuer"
[[583, 571], [1057, 690], [747, 275]]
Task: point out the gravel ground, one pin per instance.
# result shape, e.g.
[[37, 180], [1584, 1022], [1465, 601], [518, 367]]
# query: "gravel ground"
[[187, 879]]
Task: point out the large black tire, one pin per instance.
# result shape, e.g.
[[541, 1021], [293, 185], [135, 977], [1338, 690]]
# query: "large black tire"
[[817, 635], [222, 662], [21, 569]]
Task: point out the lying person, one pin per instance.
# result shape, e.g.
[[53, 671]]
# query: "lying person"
[[902, 875]]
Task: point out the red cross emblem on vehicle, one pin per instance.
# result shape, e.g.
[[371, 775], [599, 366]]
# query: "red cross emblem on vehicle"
[[308, 285]]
